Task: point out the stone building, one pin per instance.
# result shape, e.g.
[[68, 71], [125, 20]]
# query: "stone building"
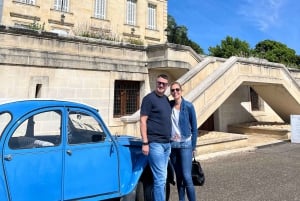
[[114, 75], [118, 20]]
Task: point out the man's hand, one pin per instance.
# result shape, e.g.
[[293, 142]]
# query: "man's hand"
[[145, 149]]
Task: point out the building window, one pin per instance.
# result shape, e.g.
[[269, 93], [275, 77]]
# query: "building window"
[[61, 5], [100, 9], [131, 12], [38, 91], [126, 98], [256, 101], [32, 2], [151, 16]]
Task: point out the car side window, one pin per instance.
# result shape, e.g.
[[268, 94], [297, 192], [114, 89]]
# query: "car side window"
[[84, 128], [39, 130], [4, 120]]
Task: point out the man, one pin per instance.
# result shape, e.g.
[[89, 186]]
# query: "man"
[[155, 125]]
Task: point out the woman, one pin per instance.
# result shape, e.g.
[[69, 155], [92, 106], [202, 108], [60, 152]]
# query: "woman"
[[183, 141]]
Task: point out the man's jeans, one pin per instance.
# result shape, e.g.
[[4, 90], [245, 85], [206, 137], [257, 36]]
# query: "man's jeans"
[[181, 159], [158, 159]]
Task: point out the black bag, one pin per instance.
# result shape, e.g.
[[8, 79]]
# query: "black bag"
[[197, 173]]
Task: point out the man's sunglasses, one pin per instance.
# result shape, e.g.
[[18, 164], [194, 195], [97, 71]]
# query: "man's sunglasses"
[[162, 83]]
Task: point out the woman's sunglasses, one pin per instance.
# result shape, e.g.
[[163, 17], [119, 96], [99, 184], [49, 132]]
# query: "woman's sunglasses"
[[177, 89]]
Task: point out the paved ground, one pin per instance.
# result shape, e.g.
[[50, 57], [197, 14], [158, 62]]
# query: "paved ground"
[[270, 173]]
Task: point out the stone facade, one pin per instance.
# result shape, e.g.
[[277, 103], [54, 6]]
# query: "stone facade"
[[41, 65], [80, 17]]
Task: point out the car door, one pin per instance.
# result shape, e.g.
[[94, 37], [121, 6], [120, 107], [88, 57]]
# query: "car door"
[[32, 157], [91, 158]]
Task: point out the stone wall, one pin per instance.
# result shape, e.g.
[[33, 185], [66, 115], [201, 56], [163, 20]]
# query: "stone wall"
[[69, 69]]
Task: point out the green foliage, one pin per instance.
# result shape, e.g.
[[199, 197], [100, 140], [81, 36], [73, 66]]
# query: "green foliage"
[[97, 34], [271, 50], [178, 35], [85, 30], [276, 52], [231, 47], [298, 61], [135, 41], [195, 47], [36, 26]]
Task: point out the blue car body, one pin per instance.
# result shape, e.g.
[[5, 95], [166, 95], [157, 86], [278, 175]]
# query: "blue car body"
[[61, 150]]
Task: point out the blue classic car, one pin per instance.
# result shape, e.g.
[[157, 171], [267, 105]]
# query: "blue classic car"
[[60, 150]]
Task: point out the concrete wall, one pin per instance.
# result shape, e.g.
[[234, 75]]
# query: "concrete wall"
[[237, 109], [1, 11], [234, 109], [70, 70]]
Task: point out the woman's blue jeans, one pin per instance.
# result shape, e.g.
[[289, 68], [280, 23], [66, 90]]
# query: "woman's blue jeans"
[[181, 159], [158, 160]]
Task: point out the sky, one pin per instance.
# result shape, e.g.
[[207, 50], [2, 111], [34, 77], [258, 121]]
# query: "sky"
[[210, 21]]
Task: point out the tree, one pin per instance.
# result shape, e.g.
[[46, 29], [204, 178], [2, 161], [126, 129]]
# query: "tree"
[[231, 47], [178, 35], [276, 52]]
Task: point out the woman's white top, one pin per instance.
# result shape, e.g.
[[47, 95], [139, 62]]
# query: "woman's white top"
[[175, 135]]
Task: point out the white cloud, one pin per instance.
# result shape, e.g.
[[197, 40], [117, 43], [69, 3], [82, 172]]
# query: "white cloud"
[[264, 13]]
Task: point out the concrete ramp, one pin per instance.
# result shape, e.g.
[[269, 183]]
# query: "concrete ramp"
[[271, 81]]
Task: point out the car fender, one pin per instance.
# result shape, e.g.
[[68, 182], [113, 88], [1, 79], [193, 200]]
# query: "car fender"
[[128, 182], [132, 163]]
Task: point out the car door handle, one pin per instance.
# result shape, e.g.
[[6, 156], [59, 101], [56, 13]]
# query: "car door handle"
[[69, 152], [8, 157]]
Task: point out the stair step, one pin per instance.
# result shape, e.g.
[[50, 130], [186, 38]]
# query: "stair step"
[[215, 143], [218, 141]]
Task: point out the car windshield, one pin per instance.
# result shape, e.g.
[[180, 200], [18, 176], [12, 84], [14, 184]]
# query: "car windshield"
[[4, 120]]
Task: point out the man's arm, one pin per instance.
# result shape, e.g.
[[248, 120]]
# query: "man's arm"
[[143, 129]]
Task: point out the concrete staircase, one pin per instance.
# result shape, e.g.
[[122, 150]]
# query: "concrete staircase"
[[210, 83]]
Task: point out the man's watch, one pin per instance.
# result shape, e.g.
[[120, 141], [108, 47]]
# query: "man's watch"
[[145, 143]]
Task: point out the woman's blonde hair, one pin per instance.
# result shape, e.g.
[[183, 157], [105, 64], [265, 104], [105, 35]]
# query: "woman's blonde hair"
[[173, 83]]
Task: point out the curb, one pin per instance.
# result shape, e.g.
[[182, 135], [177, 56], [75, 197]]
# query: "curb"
[[224, 153]]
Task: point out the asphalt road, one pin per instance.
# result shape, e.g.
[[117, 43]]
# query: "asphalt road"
[[269, 173]]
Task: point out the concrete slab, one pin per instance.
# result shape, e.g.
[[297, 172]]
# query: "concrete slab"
[[215, 144]]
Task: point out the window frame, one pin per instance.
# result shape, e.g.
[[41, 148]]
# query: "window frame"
[[61, 5], [126, 97], [131, 11], [100, 9], [152, 12]]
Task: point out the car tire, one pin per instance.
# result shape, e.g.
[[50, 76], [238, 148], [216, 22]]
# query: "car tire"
[[140, 196], [130, 197]]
